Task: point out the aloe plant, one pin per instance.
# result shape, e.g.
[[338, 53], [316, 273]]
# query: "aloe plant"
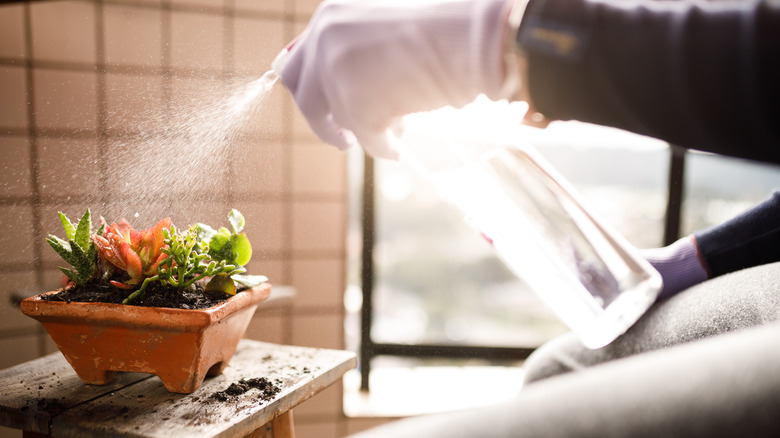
[[78, 250]]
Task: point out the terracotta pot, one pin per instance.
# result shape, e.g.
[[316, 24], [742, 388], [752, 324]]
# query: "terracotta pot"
[[180, 346]]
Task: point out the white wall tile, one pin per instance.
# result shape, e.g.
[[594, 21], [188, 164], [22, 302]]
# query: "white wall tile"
[[319, 169], [69, 167], [196, 41], [273, 268], [256, 43], [133, 36], [134, 102], [16, 284], [319, 282], [63, 31], [15, 175], [321, 331], [16, 240], [306, 7], [12, 31], [13, 95], [318, 226], [267, 327], [265, 226], [65, 99], [274, 6], [259, 168], [199, 3]]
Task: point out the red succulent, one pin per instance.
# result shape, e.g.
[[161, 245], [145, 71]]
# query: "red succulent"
[[136, 252]]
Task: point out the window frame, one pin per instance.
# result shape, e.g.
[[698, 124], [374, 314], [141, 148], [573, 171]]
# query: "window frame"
[[369, 349]]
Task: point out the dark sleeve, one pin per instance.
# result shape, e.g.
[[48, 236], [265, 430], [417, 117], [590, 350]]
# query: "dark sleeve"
[[750, 239], [700, 74]]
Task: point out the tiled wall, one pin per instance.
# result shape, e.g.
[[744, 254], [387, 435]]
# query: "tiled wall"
[[83, 84]]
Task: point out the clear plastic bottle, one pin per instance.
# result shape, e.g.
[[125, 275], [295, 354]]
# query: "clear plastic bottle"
[[477, 158]]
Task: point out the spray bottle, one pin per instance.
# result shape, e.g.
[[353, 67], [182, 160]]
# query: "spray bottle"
[[479, 161]]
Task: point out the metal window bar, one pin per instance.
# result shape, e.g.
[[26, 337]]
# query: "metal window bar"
[[370, 349]]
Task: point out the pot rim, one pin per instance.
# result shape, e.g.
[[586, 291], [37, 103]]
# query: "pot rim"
[[108, 313]]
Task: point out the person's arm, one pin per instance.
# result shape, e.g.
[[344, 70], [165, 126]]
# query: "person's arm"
[[750, 239], [702, 75], [360, 66]]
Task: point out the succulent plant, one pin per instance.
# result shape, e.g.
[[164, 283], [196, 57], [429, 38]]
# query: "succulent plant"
[[136, 252], [233, 248], [202, 253], [78, 250], [132, 259]]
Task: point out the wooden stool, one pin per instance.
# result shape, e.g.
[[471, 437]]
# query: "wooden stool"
[[44, 397]]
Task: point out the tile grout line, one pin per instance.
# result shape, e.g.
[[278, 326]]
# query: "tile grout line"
[[100, 67], [35, 197], [287, 195], [33, 144], [228, 68]]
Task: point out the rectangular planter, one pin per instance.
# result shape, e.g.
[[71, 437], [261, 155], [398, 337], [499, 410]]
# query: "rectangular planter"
[[180, 346]]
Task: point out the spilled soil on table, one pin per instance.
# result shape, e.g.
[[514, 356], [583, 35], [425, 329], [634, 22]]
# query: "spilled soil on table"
[[267, 389]]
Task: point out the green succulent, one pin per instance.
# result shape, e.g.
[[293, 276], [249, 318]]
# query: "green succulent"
[[78, 250], [200, 252], [233, 248]]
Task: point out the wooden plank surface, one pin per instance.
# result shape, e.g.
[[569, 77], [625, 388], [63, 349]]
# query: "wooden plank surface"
[[140, 406], [34, 392]]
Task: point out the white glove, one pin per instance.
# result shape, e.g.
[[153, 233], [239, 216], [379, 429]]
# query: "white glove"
[[361, 65]]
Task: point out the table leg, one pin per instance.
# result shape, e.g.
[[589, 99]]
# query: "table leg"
[[279, 427], [283, 425]]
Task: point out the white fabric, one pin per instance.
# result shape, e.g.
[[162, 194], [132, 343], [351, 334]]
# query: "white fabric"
[[361, 65]]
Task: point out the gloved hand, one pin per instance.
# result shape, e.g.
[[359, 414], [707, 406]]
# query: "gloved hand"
[[679, 264], [361, 65]]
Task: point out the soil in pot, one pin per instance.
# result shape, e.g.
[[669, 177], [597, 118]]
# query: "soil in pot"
[[157, 295]]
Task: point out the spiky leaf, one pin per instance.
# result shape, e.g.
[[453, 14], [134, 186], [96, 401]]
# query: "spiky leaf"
[[85, 266], [78, 250], [70, 230], [62, 248], [83, 230], [74, 276]]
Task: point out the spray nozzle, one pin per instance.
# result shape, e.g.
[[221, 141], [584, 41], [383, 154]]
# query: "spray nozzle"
[[281, 60]]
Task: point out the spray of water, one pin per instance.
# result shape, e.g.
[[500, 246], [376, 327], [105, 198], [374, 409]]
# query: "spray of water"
[[182, 157]]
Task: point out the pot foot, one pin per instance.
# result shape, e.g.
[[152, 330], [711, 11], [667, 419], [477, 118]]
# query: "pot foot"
[[184, 384], [217, 368], [96, 377]]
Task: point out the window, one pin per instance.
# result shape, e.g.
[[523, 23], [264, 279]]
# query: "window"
[[438, 296], [718, 188]]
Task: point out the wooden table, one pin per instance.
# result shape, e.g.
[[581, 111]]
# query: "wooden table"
[[45, 397]]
